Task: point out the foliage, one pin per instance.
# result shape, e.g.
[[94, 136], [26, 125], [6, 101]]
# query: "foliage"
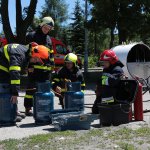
[[130, 18], [34, 24], [77, 29], [57, 9], [92, 61], [97, 42]]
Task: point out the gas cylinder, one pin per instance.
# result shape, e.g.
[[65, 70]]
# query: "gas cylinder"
[[7, 109], [138, 105], [43, 86], [74, 98], [74, 101], [43, 105], [74, 86], [4, 88]]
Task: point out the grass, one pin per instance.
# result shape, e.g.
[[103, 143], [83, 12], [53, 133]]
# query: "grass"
[[95, 132], [141, 142], [145, 131], [126, 139], [43, 141], [124, 133], [126, 146]]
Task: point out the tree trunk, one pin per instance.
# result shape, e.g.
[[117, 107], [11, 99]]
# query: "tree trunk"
[[112, 38], [5, 20], [22, 25], [19, 23], [95, 42], [122, 35], [122, 29]]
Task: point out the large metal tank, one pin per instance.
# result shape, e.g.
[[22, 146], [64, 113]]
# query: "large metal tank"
[[136, 59]]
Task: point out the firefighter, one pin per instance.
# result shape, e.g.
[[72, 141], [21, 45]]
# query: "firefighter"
[[112, 73], [16, 57], [40, 36], [69, 73]]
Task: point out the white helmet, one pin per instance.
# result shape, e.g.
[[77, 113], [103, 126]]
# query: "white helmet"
[[48, 21]]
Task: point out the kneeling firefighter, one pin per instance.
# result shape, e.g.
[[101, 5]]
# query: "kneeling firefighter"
[[69, 73], [16, 57], [112, 73]]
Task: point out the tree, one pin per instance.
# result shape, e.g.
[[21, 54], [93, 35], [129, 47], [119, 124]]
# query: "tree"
[[57, 9], [64, 35], [145, 22], [105, 13], [35, 23], [129, 14], [122, 15], [22, 23], [77, 29], [94, 31], [0, 11]]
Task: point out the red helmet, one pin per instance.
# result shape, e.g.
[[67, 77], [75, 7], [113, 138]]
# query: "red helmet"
[[33, 44], [3, 42], [109, 55]]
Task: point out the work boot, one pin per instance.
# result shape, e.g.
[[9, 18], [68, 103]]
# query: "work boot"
[[21, 115], [18, 119], [28, 112]]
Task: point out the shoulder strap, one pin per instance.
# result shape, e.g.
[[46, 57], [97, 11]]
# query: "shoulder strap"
[[49, 41]]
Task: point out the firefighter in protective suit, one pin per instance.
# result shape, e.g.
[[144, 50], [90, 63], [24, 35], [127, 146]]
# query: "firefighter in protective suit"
[[14, 58], [70, 72], [109, 79], [41, 37]]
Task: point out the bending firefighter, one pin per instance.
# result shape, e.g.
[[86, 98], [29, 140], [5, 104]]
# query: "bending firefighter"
[[40, 36], [69, 73], [109, 79], [16, 57], [38, 71]]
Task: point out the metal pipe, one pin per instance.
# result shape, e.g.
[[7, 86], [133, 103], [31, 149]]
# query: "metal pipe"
[[86, 39]]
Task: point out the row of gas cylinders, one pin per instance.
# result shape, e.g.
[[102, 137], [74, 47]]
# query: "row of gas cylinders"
[[43, 103]]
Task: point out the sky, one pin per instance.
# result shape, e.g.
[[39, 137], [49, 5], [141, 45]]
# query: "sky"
[[12, 12]]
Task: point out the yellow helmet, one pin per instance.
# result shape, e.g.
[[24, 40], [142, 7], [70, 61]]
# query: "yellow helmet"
[[71, 58], [48, 21]]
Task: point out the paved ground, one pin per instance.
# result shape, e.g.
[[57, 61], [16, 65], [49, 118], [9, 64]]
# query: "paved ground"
[[27, 126]]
